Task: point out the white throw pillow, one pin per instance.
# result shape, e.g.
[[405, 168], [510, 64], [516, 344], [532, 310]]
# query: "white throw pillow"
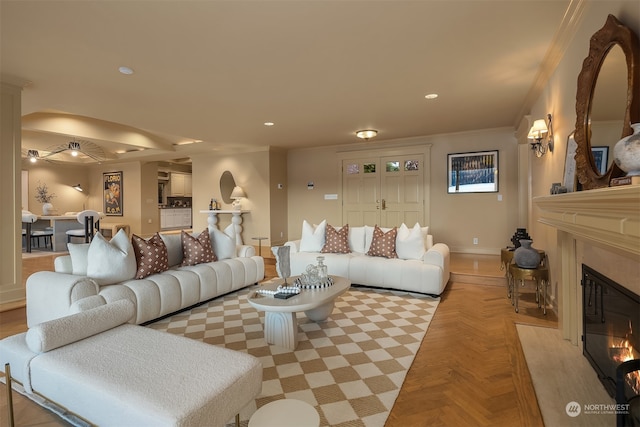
[[111, 262], [409, 242], [79, 253], [356, 239], [312, 236], [223, 243]]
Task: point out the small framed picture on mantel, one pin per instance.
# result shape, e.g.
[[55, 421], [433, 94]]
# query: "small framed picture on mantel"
[[475, 172]]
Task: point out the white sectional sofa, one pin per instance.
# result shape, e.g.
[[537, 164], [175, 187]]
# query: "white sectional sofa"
[[96, 366], [420, 266], [101, 272]]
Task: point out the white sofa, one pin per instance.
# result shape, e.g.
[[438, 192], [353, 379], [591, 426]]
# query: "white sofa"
[[110, 373], [95, 274], [421, 266]]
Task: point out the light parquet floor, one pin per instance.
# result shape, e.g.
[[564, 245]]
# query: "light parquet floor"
[[470, 369]]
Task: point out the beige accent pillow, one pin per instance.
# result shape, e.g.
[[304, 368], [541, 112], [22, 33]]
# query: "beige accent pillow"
[[151, 255], [173, 242], [336, 241], [197, 250], [113, 261], [383, 244]]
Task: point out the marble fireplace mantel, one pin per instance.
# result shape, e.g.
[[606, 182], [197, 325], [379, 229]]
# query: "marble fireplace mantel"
[[607, 218]]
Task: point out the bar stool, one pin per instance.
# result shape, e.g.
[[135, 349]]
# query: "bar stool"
[[539, 275]]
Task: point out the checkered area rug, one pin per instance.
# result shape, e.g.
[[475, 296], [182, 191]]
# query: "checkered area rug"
[[350, 367]]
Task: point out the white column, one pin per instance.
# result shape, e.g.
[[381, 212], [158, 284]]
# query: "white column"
[[11, 288]]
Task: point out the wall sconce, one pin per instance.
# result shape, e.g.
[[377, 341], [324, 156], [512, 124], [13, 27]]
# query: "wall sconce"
[[542, 135], [237, 194], [33, 155], [78, 187], [366, 134]]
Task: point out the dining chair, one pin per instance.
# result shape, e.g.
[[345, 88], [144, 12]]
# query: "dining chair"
[[91, 221]]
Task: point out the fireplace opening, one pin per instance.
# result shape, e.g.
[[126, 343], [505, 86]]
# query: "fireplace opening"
[[611, 329]]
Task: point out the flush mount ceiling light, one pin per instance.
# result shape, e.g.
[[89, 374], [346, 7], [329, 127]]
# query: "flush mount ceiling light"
[[431, 96], [269, 123], [127, 71], [366, 134]]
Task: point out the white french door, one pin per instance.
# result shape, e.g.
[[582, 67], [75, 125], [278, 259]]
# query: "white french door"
[[383, 190]]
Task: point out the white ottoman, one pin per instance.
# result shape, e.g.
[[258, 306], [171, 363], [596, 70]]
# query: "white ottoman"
[[285, 413]]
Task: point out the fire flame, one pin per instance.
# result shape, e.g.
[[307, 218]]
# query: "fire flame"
[[623, 352]]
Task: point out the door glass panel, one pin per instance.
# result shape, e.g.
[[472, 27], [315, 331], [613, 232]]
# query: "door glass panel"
[[353, 168], [369, 168], [411, 165], [393, 166]]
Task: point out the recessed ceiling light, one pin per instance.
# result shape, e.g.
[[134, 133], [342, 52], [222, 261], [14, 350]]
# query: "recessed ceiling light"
[[431, 96], [269, 123], [126, 70]]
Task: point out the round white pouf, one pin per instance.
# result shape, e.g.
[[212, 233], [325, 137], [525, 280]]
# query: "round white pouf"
[[285, 413]]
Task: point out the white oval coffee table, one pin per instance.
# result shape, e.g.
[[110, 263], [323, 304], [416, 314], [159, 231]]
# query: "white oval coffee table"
[[280, 322], [285, 413]]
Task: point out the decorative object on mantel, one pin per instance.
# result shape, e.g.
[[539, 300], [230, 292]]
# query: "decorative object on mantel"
[[625, 180], [43, 196], [521, 233], [626, 153], [237, 194], [526, 256]]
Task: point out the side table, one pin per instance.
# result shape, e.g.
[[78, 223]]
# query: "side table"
[[259, 239], [540, 275]]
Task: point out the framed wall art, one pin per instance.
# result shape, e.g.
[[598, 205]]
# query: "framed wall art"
[[112, 185], [601, 157], [475, 172]]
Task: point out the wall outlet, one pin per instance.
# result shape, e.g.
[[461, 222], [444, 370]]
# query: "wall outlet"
[[149, 221], [475, 240]]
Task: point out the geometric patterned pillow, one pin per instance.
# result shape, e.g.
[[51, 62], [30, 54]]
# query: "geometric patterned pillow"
[[151, 255], [336, 242], [383, 244], [197, 250]]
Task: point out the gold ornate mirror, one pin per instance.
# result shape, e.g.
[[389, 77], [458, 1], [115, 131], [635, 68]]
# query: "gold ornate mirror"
[[611, 38]]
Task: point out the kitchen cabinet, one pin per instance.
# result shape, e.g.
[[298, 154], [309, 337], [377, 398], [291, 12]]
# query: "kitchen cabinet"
[[180, 184], [175, 218]]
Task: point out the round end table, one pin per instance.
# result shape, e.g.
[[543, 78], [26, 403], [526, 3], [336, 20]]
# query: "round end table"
[[259, 239], [285, 413]]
